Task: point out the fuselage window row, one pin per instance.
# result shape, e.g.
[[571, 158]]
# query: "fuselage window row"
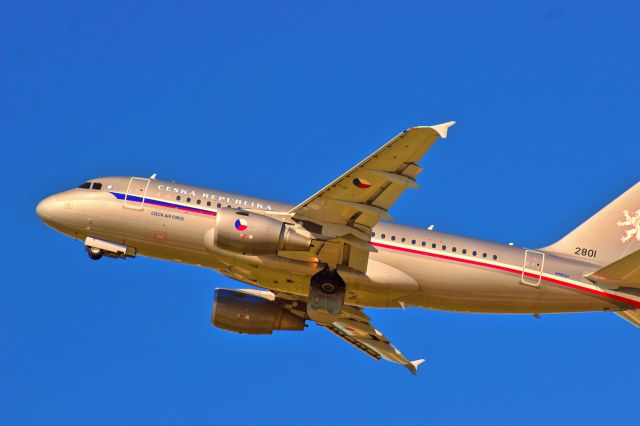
[[198, 201], [434, 246]]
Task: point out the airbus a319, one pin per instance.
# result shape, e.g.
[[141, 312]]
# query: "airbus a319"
[[336, 253]]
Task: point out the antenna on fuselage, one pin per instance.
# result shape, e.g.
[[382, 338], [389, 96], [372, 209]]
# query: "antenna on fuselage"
[[430, 228], [153, 176]]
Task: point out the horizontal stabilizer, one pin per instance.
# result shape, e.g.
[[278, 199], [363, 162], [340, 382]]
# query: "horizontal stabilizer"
[[633, 316], [624, 272]]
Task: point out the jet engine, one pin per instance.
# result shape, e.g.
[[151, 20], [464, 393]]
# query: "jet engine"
[[243, 232], [251, 313]]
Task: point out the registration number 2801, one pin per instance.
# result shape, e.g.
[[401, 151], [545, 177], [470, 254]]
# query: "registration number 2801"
[[581, 251]]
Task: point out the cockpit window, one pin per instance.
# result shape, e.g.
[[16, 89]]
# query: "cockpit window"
[[85, 185], [96, 185]]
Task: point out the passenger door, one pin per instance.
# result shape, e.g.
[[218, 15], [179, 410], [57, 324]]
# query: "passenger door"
[[532, 269], [136, 193]]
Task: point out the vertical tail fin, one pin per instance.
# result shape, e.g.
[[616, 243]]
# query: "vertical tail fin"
[[610, 234]]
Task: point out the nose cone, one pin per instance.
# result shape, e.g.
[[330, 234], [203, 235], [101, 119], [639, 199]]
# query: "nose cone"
[[44, 209]]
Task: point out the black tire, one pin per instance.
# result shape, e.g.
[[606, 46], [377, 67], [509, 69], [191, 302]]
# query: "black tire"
[[328, 287], [94, 253]]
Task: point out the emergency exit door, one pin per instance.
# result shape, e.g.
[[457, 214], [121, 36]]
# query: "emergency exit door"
[[532, 269], [136, 193]]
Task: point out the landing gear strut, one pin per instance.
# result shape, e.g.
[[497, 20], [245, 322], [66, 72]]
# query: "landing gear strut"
[[326, 297]]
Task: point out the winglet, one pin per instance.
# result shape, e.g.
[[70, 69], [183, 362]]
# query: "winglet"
[[442, 128], [413, 366]]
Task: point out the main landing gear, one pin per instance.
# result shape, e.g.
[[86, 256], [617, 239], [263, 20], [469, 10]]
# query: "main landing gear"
[[326, 297]]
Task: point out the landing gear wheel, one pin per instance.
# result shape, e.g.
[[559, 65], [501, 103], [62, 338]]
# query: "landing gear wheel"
[[326, 297], [328, 287], [94, 253]]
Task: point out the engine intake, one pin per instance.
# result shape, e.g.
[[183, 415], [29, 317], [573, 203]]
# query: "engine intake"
[[254, 234], [248, 313]]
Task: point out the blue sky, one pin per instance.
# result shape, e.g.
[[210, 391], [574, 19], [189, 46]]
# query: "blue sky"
[[276, 99]]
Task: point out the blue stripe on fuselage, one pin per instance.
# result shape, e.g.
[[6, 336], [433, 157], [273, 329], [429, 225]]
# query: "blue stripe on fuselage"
[[137, 199]]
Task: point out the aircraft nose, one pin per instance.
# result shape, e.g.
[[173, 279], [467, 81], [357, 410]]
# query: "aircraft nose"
[[44, 209]]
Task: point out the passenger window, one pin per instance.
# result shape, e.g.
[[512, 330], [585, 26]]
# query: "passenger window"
[[208, 203], [393, 238], [96, 185], [495, 257], [85, 185], [188, 199], [403, 239], [453, 249], [464, 251], [424, 244], [382, 236], [218, 205], [444, 247], [373, 234], [413, 241], [198, 202], [484, 255], [178, 198], [433, 245], [474, 253]]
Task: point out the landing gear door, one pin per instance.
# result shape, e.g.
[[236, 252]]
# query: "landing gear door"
[[136, 193], [532, 269]]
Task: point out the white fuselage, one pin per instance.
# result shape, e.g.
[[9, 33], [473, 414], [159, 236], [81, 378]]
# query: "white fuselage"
[[412, 266]]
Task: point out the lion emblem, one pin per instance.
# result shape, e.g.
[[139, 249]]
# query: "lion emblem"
[[633, 222]]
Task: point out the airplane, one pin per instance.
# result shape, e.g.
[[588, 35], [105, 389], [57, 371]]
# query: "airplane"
[[336, 253]]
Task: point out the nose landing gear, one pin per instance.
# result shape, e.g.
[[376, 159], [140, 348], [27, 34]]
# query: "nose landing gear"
[[97, 248], [94, 253], [326, 297]]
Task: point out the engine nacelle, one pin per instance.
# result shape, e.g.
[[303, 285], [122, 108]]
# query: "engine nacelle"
[[250, 313], [243, 232]]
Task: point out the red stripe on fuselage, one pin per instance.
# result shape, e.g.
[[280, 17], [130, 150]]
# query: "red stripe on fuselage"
[[513, 271]]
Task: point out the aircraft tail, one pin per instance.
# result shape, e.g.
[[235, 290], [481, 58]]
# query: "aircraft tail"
[[609, 235]]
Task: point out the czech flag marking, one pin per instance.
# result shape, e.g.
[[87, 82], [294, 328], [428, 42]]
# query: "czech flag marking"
[[361, 183], [241, 224]]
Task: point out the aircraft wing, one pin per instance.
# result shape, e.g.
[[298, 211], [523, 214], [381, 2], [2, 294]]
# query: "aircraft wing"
[[350, 206], [355, 327]]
